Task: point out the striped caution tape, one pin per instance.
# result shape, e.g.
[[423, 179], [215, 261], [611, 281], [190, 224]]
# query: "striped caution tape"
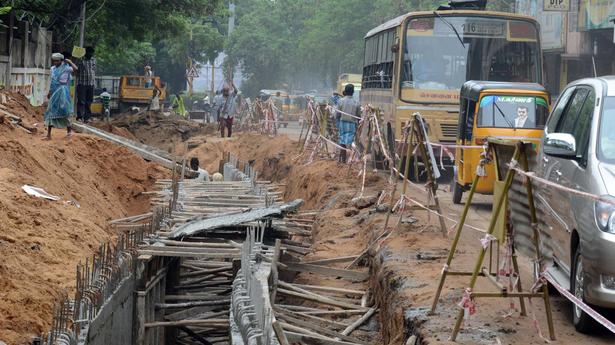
[[587, 309]]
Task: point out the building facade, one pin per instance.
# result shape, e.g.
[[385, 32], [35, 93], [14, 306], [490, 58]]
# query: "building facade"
[[577, 38]]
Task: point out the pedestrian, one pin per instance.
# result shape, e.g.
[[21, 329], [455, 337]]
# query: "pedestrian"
[[217, 105], [60, 106], [348, 114], [86, 79], [228, 109], [178, 105], [154, 103], [148, 76], [105, 99]]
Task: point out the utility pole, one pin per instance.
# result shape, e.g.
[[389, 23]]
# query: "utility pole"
[[231, 27], [82, 33], [213, 77]]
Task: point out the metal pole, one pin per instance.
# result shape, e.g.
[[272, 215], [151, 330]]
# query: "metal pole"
[[213, 76], [82, 32]]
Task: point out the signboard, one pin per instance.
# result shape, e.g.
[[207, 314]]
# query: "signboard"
[[192, 72], [552, 29], [557, 5], [552, 23], [596, 14]]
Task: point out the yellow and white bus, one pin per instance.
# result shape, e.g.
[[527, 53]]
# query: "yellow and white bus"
[[417, 63]]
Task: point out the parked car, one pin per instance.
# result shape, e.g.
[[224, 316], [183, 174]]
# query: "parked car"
[[578, 152]]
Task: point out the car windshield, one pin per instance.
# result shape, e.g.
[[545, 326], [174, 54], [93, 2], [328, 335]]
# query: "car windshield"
[[512, 112], [442, 52], [606, 139]]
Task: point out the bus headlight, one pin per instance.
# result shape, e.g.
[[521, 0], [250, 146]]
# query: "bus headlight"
[[605, 214]]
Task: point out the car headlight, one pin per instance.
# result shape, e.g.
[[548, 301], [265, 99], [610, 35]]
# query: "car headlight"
[[605, 214]]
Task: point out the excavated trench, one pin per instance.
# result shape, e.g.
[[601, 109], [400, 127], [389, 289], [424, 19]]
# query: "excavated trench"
[[338, 230]]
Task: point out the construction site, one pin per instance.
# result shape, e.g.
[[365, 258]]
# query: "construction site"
[[319, 172], [110, 237]]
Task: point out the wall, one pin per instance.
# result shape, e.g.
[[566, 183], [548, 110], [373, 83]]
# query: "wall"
[[25, 54], [113, 324]]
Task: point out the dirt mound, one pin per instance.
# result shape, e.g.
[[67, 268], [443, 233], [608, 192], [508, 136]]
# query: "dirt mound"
[[168, 133], [41, 241]]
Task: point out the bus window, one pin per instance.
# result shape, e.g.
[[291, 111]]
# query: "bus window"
[[443, 52]]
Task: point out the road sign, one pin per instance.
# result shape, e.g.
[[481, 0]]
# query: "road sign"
[[557, 5], [192, 72]]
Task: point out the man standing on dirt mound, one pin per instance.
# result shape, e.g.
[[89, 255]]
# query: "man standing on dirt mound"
[[86, 79], [228, 109]]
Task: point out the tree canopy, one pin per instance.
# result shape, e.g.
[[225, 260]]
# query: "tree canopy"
[[286, 43], [128, 35]]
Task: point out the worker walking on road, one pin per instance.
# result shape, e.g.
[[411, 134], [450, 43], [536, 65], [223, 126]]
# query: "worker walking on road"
[[60, 106], [228, 110], [86, 79], [348, 114]]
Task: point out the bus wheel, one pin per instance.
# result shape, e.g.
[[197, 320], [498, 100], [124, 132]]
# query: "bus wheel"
[[457, 191]]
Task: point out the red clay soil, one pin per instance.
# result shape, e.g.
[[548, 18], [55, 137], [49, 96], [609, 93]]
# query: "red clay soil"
[[41, 241], [168, 133]]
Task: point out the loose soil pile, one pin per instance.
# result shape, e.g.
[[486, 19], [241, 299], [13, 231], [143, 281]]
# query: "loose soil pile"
[[169, 133], [41, 241]]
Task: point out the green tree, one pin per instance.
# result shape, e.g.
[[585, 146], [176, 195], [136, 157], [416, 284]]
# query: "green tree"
[[129, 34]]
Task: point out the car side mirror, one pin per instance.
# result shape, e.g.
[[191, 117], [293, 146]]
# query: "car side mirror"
[[560, 145]]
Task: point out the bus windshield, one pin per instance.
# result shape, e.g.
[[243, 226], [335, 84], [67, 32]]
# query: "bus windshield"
[[442, 52]]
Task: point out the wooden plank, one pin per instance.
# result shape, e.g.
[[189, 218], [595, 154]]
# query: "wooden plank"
[[301, 338], [191, 249], [193, 313], [279, 332], [359, 322], [316, 298], [331, 261], [192, 304], [315, 329], [333, 272], [196, 244], [330, 289], [187, 254], [211, 322]]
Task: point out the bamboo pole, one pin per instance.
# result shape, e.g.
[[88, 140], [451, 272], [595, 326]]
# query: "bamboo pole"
[[481, 257]]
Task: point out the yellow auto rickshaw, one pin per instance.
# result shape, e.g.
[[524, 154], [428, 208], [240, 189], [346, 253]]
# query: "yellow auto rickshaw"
[[494, 109]]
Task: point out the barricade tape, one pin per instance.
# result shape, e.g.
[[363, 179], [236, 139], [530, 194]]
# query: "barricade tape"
[[333, 110], [335, 144], [530, 174], [587, 309], [512, 165]]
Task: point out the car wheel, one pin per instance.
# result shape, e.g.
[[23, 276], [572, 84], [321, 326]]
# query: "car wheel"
[[581, 321]]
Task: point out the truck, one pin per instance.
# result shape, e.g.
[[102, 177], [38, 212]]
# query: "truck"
[[126, 91]]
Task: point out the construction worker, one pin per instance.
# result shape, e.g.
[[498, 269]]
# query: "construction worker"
[[228, 110]]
